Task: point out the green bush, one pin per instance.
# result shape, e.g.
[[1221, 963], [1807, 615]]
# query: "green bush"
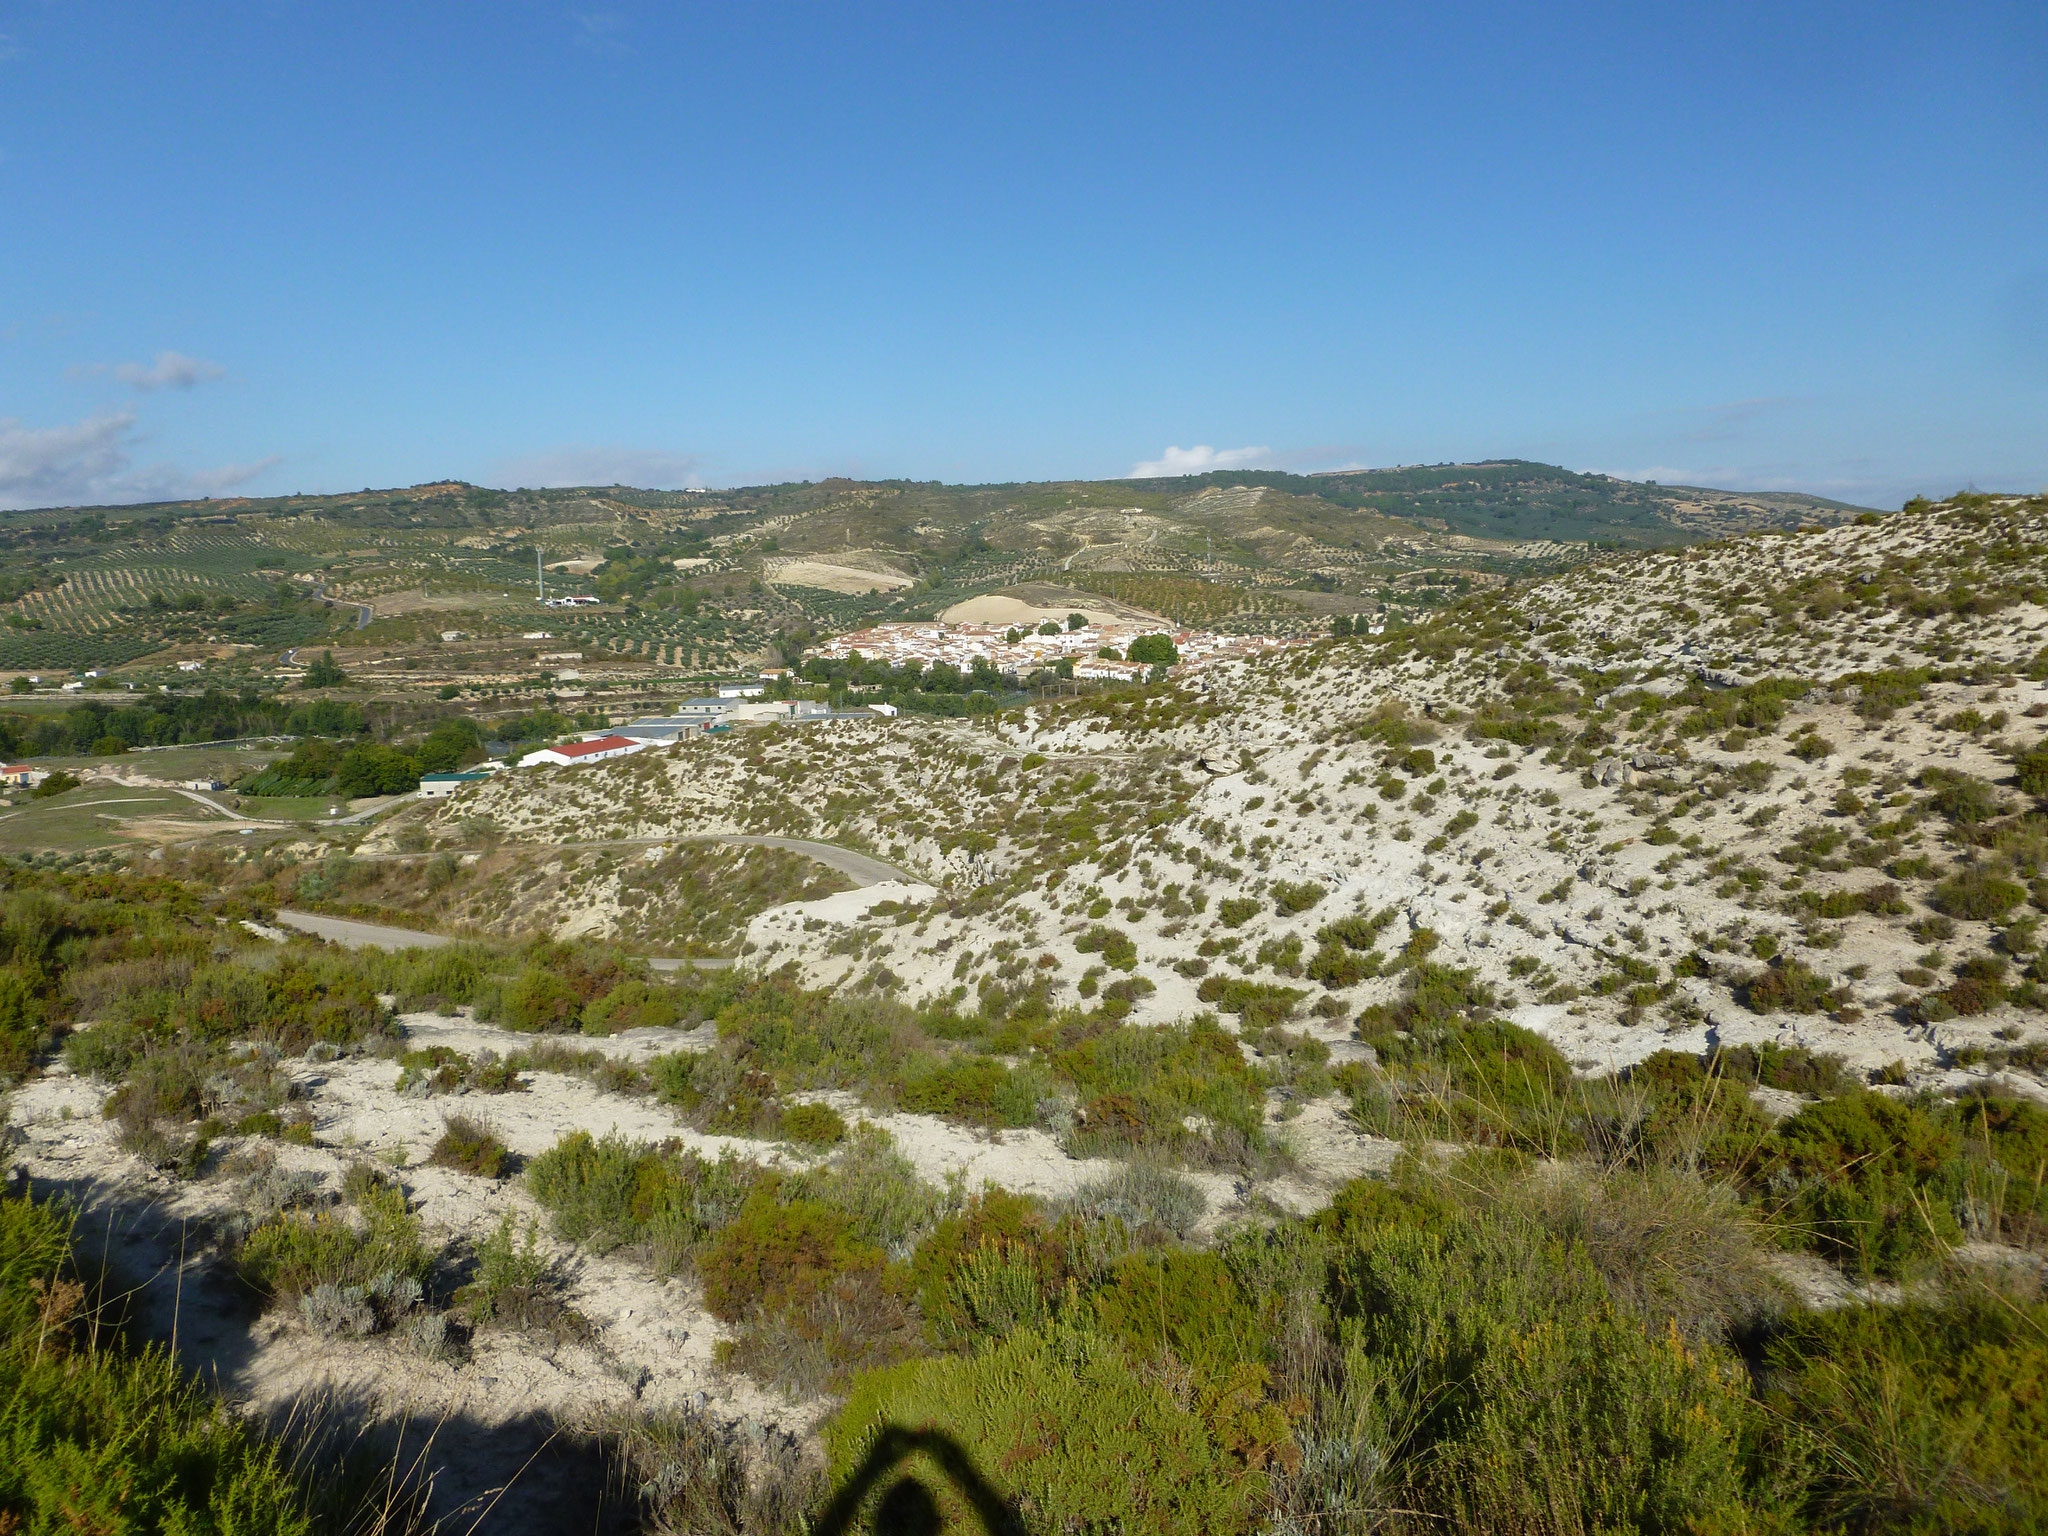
[[813, 1125], [633, 1005], [1790, 986], [1925, 1417], [1976, 894], [1290, 897], [96, 1437], [1236, 911], [777, 1256], [1336, 966], [976, 1090], [1357, 931], [2031, 768], [539, 1000], [1500, 1389], [1113, 944], [1080, 1436], [291, 1254], [1184, 1302], [468, 1146], [515, 1284], [23, 1033], [1961, 797], [615, 1193], [1140, 1085], [1870, 1180], [1257, 1003]]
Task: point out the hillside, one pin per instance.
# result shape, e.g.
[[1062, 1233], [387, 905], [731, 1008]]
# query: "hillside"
[[1313, 1081], [1665, 763], [439, 580]]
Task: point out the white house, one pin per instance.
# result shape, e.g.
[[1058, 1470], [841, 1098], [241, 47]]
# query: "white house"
[[742, 690], [595, 751], [438, 786], [21, 773], [1120, 671], [190, 666]]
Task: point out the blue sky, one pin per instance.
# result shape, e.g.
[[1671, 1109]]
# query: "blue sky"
[[295, 245]]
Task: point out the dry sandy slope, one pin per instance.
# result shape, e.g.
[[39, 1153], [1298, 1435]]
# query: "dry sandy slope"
[[651, 1342], [1554, 873]]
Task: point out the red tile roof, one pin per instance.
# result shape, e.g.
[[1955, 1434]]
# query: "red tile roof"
[[602, 744]]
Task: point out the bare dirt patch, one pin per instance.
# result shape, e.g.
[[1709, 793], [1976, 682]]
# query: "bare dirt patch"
[[852, 573]]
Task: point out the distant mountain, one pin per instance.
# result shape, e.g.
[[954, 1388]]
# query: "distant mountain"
[[1504, 499], [1518, 499]]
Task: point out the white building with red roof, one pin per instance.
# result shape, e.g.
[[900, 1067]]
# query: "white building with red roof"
[[596, 750]]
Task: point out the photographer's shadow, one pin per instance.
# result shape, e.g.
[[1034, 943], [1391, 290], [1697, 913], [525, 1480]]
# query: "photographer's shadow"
[[907, 1507]]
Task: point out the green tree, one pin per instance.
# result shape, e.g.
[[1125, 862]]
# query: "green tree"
[[450, 745], [1155, 650], [324, 673], [1076, 621], [372, 769]]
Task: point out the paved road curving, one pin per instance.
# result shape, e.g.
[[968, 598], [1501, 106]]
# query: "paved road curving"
[[860, 868], [351, 934]]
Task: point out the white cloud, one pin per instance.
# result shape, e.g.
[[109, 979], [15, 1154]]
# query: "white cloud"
[[86, 463], [648, 469], [1199, 460], [170, 370]]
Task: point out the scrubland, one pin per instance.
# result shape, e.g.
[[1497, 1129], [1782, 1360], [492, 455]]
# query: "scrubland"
[[1575, 1065]]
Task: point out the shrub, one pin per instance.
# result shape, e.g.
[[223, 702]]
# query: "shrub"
[[1257, 1003], [468, 1146], [776, 1256], [289, 1255], [977, 1090], [1185, 1302], [1291, 897], [633, 1005], [1525, 1399], [1082, 1438], [515, 1285], [1336, 967], [102, 1438], [1961, 797], [614, 1192], [1881, 898], [1925, 1416], [2031, 769], [876, 1188], [540, 1000], [1867, 1178], [1113, 944], [1140, 1196], [1357, 931], [992, 1265], [695, 1472], [813, 1125], [1790, 986], [1975, 893], [1236, 911]]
